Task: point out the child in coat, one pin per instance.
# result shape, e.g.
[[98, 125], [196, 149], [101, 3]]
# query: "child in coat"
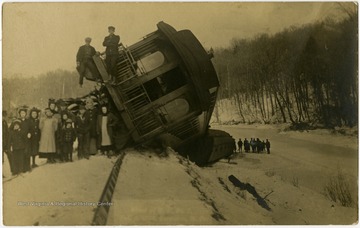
[[68, 137]]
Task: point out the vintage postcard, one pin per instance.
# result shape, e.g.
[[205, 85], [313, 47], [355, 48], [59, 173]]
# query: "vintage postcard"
[[179, 113]]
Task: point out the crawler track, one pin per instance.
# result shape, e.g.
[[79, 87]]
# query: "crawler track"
[[102, 210]]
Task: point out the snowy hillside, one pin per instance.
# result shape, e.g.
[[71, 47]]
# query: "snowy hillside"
[[154, 189]]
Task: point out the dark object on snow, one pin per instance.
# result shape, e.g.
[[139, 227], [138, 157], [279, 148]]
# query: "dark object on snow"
[[251, 189], [214, 145]]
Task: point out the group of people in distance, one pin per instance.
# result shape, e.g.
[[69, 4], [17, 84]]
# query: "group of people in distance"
[[85, 53], [256, 145], [51, 134]]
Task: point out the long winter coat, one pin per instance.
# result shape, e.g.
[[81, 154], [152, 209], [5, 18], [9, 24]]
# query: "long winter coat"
[[68, 135], [93, 114], [17, 139], [112, 121], [17, 142], [25, 125], [34, 130], [48, 128]]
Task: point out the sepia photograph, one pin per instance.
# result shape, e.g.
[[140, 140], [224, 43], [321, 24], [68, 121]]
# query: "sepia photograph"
[[179, 113]]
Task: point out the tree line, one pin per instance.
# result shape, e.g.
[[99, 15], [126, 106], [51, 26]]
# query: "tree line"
[[303, 75], [35, 91]]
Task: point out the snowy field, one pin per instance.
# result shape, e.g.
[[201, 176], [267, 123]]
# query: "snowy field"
[[81, 182], [153, 190]]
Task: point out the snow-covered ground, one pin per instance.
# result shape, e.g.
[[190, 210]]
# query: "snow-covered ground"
[[297, 170], [80, 182], [157, 190]]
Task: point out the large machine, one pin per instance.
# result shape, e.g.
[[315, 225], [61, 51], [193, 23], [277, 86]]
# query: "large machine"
[[165, 91]]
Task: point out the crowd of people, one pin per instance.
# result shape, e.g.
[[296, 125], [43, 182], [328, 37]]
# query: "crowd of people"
[[51, 133], [254, 145]]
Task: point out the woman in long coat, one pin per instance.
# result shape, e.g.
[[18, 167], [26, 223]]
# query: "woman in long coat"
[[17, 147], [93, 113], [48, 127], [105, 122], [24, 125], [34, 130]]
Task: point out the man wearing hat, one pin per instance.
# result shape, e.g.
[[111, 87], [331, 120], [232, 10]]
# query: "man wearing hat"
[[82, 127], [61, 104], [84, 61], [111, 42]]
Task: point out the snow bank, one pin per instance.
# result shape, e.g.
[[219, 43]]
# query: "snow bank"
[[38, 198], [154, 189]]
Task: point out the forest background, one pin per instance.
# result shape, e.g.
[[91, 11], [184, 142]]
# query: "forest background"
[[306, 76]]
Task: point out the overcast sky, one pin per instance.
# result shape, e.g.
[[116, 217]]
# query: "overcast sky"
[[40, 37]]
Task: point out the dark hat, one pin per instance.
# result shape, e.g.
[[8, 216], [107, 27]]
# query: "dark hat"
[[34, 110], [111, 27], [61, 102], [22, 109], [47, 109], [52, 101]]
